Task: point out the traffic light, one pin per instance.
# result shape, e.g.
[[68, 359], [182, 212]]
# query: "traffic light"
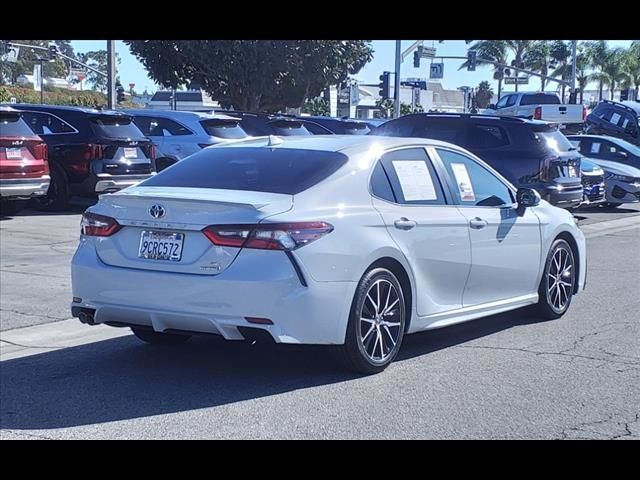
[[471, 60], [53, 52], [384, 91], [119, 93], [416, 59]]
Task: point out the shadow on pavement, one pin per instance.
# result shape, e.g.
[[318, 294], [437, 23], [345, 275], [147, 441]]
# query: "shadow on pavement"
[[75, 207], [122, 379]]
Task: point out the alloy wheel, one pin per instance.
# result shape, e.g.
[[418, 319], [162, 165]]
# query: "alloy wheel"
[[560, 279]]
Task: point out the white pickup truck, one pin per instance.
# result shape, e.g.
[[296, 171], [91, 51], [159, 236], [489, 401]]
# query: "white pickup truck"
[[541, 106]]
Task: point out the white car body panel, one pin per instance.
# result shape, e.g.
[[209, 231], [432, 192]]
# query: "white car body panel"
[[437, 257]]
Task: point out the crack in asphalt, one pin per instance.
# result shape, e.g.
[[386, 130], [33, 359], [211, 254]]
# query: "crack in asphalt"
[[42, 315], [585, 427]]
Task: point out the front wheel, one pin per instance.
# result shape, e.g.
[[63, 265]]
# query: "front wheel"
[[158, 338], [558, 281], [376, 323]]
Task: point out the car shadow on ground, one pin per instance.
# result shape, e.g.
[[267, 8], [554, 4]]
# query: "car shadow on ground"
[[603, 209], [122, 378], [75, 207]]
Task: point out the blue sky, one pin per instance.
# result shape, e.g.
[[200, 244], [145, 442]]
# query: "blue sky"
[[132, 71]]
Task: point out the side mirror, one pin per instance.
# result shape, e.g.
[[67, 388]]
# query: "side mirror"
[[527, 197], [492, 106]]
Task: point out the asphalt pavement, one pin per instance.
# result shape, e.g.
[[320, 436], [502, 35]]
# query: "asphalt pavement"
[[506, 376]]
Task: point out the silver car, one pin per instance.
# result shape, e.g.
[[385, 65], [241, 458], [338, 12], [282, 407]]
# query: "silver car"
[[178, 134]]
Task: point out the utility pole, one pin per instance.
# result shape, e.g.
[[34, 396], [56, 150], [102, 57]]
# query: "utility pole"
[[574, 44], [396, 103], [111, 74]]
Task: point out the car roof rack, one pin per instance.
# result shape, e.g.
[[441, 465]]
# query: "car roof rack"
[[473, 115], [621, 105]]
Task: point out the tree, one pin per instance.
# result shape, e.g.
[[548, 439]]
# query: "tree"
[[597, 52], [316, 106], [253, 74], [563, 57], [484, 94], [495, 50], [519, 49], [631, 65], [27, 58], [538, 59], [612, 69], [98, 60]]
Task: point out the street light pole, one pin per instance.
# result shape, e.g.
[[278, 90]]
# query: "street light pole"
[[111, 74], [396, 103], [41, 82], [573, 71]]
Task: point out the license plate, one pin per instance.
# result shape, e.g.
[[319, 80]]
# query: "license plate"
[[161, 245], [14, 153], [130, 153]]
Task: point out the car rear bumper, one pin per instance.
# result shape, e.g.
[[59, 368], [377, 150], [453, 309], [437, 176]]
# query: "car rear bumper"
[[258, 284], [24, 188], [107, 183]]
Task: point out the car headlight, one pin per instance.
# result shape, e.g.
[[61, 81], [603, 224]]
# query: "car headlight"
[[621, 178]]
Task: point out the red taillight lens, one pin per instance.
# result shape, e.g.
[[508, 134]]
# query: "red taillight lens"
[[152, 152], [537, 113], [96, 225], [268, 236], [584, 113]]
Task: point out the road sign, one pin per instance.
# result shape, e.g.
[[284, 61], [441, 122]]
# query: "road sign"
[[436, 71], [11, 55], [428, 52], [77, 72], [421, 84], [512, 80]]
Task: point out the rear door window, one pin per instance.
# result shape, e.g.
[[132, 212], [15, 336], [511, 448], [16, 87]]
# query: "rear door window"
[[486, 136], [46, 124], [446, 129], [279, 170], [12, 125], [173, 128], [413, 179]]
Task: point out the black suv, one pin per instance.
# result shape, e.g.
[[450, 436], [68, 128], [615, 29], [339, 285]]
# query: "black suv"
[[529, 153], [90, 151], [615, 119]]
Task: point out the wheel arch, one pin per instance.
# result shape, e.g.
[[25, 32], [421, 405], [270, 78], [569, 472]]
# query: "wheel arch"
[[395, 267], [564, 235]]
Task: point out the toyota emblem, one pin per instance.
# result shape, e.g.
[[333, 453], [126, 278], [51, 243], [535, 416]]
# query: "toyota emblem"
[[157, 211]]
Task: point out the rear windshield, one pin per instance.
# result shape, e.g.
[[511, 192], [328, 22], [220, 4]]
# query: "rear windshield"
[[12, 125], [355, 128], [223, 128], [554, 140], [289, 128], [540, 99], [115, 126], [279, 170]]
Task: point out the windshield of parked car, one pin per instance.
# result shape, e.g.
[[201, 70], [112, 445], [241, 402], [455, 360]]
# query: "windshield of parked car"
[[258, 169], [12, 125], [223, 128], [115, 126], [540, 99]]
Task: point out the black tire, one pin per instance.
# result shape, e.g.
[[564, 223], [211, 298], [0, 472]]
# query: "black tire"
[[57, 197], [11, 207], [157, 338], [550, 304], [611, 205], [386, 328]]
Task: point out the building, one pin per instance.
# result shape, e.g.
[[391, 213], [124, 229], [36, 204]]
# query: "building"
[[186, 100]]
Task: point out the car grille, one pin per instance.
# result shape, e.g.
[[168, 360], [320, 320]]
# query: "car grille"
[[591, 180]]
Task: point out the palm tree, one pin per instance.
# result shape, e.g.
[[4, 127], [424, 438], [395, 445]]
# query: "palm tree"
[[538, 59], [519, 49], [613, 69], [494, 50], [597, 53], [561, 54], [632, 67]]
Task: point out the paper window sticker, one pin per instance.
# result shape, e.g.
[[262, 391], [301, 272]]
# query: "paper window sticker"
[[595, 147], [415, 180], [463, 182]]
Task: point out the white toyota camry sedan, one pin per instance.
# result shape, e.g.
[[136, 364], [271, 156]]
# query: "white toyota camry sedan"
[[336, 240]]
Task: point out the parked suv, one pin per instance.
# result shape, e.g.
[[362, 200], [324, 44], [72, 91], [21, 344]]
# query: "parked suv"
[[24, 170], [616, 119], [178, 134], [261, 124], [90, 151], [529, 153]]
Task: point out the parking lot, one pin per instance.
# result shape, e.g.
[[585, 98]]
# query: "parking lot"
[[507, 376]]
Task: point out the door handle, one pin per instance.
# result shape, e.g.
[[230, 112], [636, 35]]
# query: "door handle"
[[404, 223], [477, 223]]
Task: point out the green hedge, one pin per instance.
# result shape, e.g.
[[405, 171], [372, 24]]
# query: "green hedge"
[[55, 96]]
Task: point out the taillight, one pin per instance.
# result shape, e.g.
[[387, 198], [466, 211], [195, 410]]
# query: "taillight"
[[267, 236], [537, 113], [40, 151], [96, 225], [94, 152], [584, 113], [152, 152]]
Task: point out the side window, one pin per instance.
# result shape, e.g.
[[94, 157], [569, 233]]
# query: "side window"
[[474, 185], [402, 127], [45, 124], [487, 136], [511, 101], [148, 126], [595, 148], [445, 129], [613, 117], [380, 185], [503, 101], [174, 128], [413, 178]]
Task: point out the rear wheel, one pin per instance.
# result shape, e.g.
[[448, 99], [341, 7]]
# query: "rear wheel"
[[158, 338], [558, 281], [376, 323], [57, 197]]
